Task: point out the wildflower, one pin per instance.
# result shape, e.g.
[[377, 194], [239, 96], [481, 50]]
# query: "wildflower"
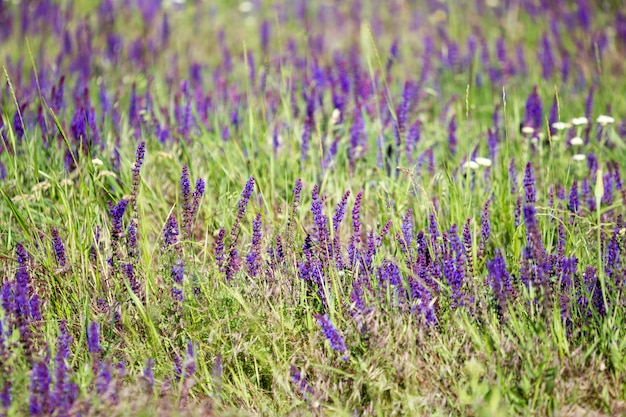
[[254, 256], [452, 140], [139, 157], [573, 198], [300, 382], [528, 130], [576, 141], [560, 126], [59, 249], [579, 157], [529, 184], [580, 121], [604, 120], [148, 374], [485, 162], [170, 231], [534, 112], [40, 381], [333, 336], [471, 165], [93, 338]]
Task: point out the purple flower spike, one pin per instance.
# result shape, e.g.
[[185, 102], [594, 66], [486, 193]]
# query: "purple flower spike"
[[529, 184], [254, 256], [93, 338], [40, 382], [59, 249], [300, 382], [534, 110], [139, 157], [170, 231], [333, 336]]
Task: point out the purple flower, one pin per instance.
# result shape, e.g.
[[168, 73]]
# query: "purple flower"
[[93, 338], [148, 374], [300, 382], [546, 57], [219, 248], [232, 265], [190, 361], [131, 239], [59, 249], [500, 281], [103, 379], [254, 256], [139, 157], [513, 176], [333, 336], [320, 221], [170, 231], [452, 140], [117, 230], [485, 230], [40, 381], [356, 226], [573, 198], [529, 184], [534, 110]]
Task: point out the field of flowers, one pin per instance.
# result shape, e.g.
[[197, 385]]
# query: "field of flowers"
[[361, 207]]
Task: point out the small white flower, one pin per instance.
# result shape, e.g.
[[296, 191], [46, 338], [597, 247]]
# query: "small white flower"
[[334, 117], [580, 121], [470, 165], [528, 130], [579, 157], [97, 162], [576, 141], [604, 120], [246, 7], [486, 162], [560, 125]]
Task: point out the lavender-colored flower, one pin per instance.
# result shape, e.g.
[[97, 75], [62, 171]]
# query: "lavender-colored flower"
[[117, 230], [300, 382], [534, 110], [65, 391], [131, 240], [333, 336], [546, 57], [356, 226], [485, 228], [573, 198], [93, 338], [500, 281], [513, 176], [452, 139], [40, 381], [529, 184], [190, 361], [185, 187], [128, 269], [254, 256], [104, 377], [170, 231], [139, 157], [148, 374], [232, 265], [320, 221], [219, 248], [59, 249], [5, 395]]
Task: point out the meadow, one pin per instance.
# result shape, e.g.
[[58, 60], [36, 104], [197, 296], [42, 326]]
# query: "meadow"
[[312, 208]]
